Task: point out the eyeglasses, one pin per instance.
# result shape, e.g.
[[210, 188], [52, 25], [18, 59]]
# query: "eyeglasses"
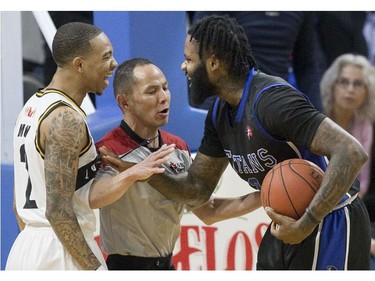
[[344, 83]]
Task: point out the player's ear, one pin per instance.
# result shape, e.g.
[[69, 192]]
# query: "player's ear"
[[213, 63], [215, 68], [78, 63], [122, 101]]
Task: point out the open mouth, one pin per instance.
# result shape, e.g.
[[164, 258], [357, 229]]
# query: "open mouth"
[[188, 79], [165, 111]]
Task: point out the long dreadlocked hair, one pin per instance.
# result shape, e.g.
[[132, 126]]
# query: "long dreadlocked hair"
[[223, 37]]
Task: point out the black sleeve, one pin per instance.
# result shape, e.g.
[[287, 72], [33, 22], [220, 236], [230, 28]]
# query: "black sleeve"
[[285, 113], [211, 144]]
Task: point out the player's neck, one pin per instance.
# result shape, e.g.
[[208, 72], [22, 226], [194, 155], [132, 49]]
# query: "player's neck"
[[230, 91], [59, 82]]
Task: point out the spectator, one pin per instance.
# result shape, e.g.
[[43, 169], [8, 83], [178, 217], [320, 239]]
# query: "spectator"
[[348, 95]]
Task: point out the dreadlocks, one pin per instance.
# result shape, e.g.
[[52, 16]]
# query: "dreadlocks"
[[223, 37]]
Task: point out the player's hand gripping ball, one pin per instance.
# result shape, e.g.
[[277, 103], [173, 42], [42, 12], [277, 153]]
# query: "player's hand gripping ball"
[[289, 186]]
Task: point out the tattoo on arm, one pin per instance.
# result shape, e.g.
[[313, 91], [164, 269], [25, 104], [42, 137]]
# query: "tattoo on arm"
[[195, 186], [64, 138], [346, 157]]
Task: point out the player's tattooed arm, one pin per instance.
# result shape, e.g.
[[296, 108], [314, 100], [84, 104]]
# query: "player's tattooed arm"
[[64, 135], [346, 158], [195, 186]]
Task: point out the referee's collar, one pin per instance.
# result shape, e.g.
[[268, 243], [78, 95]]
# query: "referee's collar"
[[141, 141]]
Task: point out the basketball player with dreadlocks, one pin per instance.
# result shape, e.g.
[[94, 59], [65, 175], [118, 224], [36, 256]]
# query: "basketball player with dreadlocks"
[[334, 232]]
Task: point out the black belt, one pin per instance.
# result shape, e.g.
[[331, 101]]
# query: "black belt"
[[120, 262]]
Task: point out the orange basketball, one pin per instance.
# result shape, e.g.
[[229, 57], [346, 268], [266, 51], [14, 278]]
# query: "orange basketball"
[[289, 186]]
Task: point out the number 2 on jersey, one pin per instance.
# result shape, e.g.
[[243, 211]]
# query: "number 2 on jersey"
[[30, 204]]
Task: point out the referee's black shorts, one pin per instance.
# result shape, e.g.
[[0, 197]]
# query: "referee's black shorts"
[[120, 262]]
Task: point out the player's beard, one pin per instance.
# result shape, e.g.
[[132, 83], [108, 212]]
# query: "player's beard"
[[201, 87]]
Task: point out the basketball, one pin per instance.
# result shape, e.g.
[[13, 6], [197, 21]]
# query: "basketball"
[[289, 186]]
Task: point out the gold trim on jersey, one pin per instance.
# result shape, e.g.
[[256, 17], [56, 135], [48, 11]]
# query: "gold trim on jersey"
[[55, 91], [44, 115], [87, 147]]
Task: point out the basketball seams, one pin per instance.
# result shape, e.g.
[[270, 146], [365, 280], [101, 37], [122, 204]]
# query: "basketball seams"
[[288, 164], [303, 178], [289, 185]]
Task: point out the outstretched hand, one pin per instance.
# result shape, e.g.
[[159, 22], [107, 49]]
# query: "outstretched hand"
[[286, 228], [149, 165], [152, 163], [108, 189]]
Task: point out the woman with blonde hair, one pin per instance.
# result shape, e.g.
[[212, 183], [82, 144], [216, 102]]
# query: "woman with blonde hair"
[[348, 97]]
